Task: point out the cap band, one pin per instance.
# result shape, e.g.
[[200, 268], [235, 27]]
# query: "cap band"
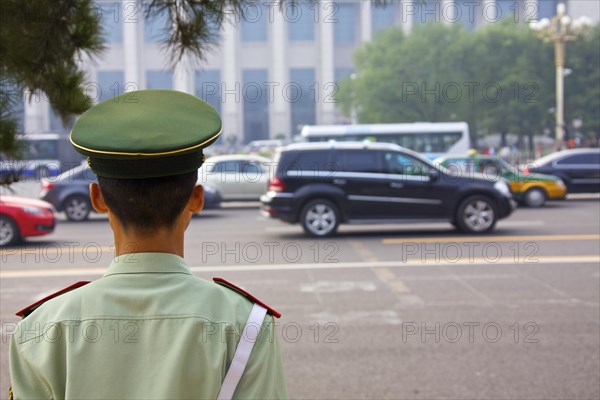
[[140, 168]]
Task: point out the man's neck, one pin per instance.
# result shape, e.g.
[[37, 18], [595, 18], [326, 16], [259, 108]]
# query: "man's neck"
[[163, 241]]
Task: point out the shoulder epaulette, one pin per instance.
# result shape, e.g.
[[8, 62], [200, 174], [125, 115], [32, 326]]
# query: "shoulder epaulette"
[[29, 309], [250, 297]]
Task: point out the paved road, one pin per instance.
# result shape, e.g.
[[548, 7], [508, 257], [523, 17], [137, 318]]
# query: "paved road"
[[398, 311]]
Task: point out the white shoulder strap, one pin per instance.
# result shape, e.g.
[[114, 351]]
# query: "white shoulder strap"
[[242, 353]]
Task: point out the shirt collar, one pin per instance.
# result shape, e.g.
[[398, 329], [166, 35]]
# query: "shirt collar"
[[148, 263]]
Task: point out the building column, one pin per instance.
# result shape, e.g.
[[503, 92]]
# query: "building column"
[[488, 11], [326, 112], [280, 108], [132, 43], [408, 9], [365, 21], [448, 12], [37, 113], [183, 75], [231, 87]]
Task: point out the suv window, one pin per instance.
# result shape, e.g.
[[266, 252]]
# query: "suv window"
[[580, 159], [318, 160], [398, 163], [358, 161]]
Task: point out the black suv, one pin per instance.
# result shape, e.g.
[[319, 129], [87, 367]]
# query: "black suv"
[[324, 184]]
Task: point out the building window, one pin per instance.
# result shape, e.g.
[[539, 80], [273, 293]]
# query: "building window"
[[383, 17], [56, 124], [157, 28], [159, 79], [111, 17], [466, 12], [301, 21], [547, 8], [214, 29], [208, 87], [256, 104], [16, 109], [345, 23], [427, 11], [254, 24], [110, 84], [302, 97]]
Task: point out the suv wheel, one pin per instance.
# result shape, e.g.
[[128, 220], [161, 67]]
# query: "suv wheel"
[[77, 208], [9, 232], [476, 214], [320, 218], [535, 197]]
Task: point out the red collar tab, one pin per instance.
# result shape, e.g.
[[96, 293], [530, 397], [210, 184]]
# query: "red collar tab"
[[253, 299], [29, 309]]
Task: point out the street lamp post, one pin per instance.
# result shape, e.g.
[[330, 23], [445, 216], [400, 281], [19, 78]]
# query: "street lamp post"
[[353, 112], [559, 30]]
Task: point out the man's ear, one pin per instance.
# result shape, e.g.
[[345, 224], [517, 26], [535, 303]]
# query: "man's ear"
[[196, 201], [97, 199]]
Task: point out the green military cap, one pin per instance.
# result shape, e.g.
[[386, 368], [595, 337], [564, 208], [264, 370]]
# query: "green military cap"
[[146, 134]]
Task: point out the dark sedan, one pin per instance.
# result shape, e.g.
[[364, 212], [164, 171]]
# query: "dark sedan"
[[578, 168], [69, 192]]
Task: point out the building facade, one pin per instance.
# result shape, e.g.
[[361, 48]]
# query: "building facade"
[[276, 70]]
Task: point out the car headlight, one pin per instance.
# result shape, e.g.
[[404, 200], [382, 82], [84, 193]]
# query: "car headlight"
[[33, 210], [560, 183], [502, 187]]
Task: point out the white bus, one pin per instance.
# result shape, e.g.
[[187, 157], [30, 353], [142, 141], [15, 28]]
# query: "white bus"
[[431, 139]]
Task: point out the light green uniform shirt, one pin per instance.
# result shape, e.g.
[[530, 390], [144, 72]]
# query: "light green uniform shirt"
[[148, 329]]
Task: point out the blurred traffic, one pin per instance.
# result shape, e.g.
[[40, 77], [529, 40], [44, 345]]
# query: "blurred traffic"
[[322, 183]]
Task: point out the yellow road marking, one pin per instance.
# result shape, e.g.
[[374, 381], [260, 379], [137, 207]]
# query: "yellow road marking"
[[389, 277], [399, 286], [385, 273], [492, 238], [363, 251]]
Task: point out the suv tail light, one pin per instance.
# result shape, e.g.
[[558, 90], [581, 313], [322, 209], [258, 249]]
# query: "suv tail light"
[[47, 185], [276, 185]]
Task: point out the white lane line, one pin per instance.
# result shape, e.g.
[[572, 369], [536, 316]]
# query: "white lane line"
[[411, 263]]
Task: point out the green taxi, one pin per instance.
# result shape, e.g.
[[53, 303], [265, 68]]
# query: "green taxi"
[[529, 189]]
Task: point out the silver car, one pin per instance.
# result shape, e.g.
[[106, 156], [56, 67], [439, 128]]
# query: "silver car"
[[236, 177]]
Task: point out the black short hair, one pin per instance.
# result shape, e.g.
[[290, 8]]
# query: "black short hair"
[[148, 204]]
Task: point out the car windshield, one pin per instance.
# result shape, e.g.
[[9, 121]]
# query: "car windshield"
[[506, 167]]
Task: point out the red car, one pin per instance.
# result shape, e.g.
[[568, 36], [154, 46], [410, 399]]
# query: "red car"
[[21, 217]]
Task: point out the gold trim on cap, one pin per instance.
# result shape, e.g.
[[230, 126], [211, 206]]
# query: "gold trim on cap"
[[118, 153]]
